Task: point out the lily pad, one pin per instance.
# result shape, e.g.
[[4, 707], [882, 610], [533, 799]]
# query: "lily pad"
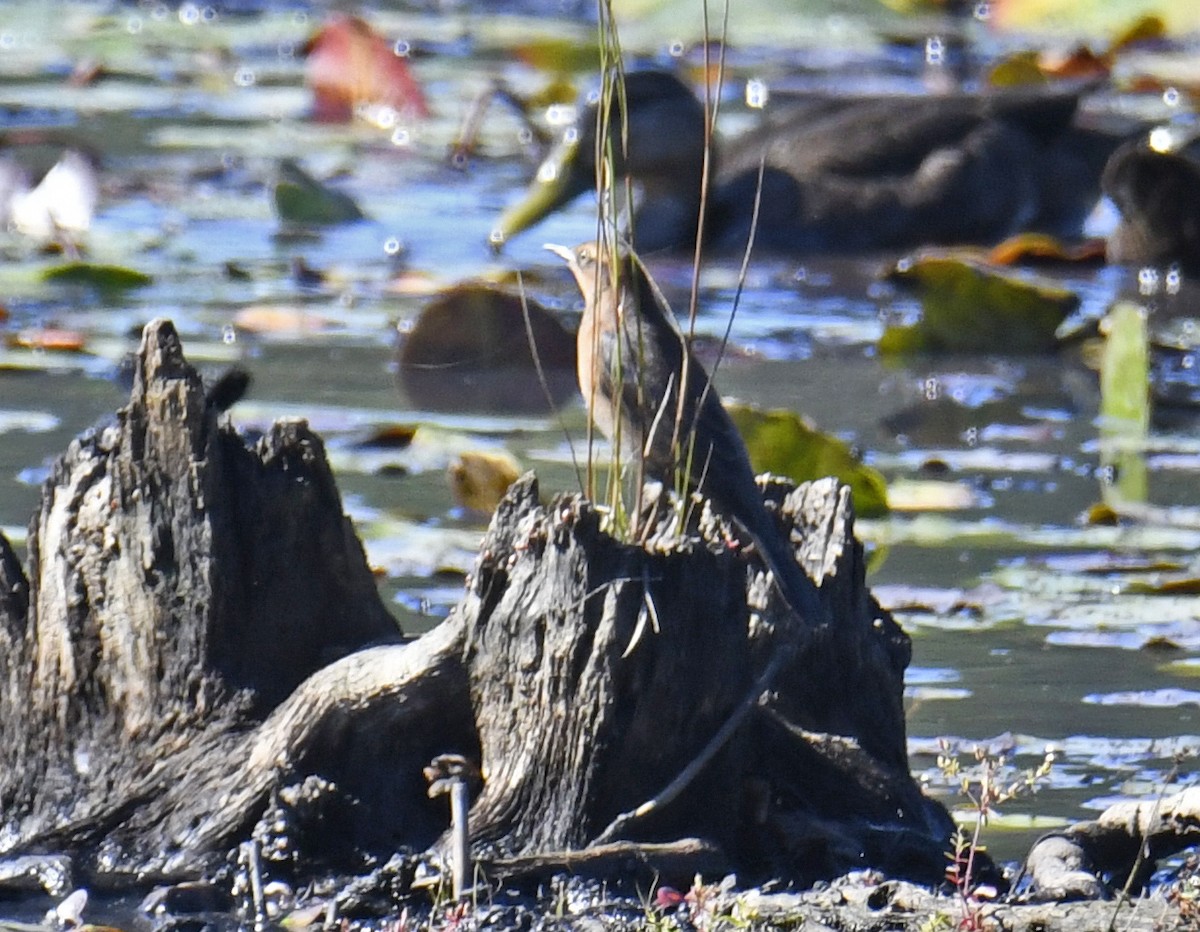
[[968, 306], [100, 277], [783, 442], [301, 199]]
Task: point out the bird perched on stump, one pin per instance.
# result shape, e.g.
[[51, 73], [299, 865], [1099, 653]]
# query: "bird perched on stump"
[[634, 368]]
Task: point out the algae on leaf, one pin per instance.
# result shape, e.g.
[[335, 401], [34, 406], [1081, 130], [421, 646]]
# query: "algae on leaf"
[[969, 307], [782, 442]]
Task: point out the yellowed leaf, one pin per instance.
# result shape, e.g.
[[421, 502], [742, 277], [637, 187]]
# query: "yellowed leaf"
[[479, 479], [970, 306], [782, 442]]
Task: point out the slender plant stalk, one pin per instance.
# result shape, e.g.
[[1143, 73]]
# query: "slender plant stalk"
[[541, 374], [608, 136]]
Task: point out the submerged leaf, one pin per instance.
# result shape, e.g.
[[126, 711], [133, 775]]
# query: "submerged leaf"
[[782, 442], [968, 306], [560, 55]]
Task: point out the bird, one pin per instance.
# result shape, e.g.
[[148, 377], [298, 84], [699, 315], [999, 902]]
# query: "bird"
[[838, 174], [1158, 196], [634, 366]]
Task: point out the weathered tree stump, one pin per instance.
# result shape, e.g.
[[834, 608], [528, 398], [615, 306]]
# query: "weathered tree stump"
[[180, 585], [599, 670], [193, 652]]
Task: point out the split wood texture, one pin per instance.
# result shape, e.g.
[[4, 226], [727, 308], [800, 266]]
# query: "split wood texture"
[[195, 654]]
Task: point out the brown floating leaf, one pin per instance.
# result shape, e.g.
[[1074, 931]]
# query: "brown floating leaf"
[[470, 349], [1101, 515], [49, 338], [1173, 587], [350, 65], [1149, 28], [391, 437], [1029, 248], [1161, 644], [969, 306], [1081, 63]]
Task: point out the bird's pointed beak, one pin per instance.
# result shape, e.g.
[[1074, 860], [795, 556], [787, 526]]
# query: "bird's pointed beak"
[[564, 253]]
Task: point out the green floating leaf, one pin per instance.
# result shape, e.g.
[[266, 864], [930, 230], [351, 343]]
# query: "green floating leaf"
[[782, 442], [301, 199], [1124, 370], [101, 277], [1124, 404], [969, 307]]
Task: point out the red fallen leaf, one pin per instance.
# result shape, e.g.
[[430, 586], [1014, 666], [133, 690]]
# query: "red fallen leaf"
[[667, 897], [49, 338], [349, 64]]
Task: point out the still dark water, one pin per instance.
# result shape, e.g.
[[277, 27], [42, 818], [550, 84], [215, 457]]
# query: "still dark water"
[[1031, 628]]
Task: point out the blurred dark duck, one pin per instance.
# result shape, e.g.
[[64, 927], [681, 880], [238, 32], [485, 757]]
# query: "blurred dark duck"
[[634, 366], [842, 174], [1158, 196]]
